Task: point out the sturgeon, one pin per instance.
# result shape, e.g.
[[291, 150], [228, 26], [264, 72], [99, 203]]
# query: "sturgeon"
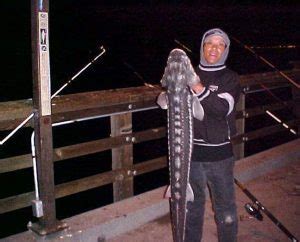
[[178, 73]]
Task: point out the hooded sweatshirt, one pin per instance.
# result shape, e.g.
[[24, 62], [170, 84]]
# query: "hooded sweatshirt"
[[218, 100]]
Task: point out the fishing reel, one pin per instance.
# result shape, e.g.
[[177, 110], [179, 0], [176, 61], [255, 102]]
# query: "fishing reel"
[[253, 211]]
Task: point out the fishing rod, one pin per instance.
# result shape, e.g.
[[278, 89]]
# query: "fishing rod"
[[255, 212], [271, 114], [54, 95], [266, 61], [37, 204], [264, 87]]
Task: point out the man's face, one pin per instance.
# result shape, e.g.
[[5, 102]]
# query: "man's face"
[[213, 49]]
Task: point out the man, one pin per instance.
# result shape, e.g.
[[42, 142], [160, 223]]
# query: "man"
[[212, 161]]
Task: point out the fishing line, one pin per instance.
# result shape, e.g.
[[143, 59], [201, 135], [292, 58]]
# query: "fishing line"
[[133, 70], [139, 76], [276, 47], [78, 73], [54, 95], [37, 203], [272, 115], [266, 61], [268, 90]]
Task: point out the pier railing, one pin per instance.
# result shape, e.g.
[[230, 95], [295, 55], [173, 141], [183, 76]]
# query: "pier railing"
[[119, 104]]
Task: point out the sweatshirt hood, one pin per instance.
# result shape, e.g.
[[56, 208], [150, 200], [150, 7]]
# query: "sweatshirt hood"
[[204, 65]]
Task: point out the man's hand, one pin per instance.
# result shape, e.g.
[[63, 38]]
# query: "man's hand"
[[192, 77], [197, 88]]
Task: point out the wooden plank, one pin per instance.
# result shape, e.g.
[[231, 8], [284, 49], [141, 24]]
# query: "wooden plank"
[[14, 110], [109, 177], [62, 115], [151, 165], [80, 105], [251, 112], [83, 184], [103, 111], [86, 148], [91, 147], [67, 152], [267, 77], [16, 202], [263, 132], [15, 163]]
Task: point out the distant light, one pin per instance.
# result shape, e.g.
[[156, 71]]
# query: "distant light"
[[276, 47]]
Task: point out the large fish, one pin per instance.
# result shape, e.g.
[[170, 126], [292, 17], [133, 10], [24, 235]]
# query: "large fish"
[[178, 73]]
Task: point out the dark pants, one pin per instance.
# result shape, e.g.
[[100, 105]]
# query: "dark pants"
[[219, 177]]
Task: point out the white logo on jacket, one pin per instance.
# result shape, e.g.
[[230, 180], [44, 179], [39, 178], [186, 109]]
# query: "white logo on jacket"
[[213, 88]]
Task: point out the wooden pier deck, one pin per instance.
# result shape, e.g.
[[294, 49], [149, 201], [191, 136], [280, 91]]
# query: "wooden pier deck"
[[273, 176], [278, 190]]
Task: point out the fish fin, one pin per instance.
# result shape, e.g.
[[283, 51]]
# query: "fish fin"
[[189, 193], [162, 100], [168, 192], [198, 111]]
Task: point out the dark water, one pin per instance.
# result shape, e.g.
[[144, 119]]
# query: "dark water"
[[141, 36]]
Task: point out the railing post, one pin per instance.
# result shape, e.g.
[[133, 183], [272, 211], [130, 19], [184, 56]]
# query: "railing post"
[[239, 149], [122, 157], [296, 96], [45, 195]]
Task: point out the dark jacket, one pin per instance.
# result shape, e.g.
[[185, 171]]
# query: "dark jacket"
[[218, 100]]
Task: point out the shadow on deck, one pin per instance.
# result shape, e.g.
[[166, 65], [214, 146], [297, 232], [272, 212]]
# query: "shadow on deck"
[[273, 176]]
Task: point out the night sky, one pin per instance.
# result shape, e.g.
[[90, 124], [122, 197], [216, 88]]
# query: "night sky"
[[140, 33]]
